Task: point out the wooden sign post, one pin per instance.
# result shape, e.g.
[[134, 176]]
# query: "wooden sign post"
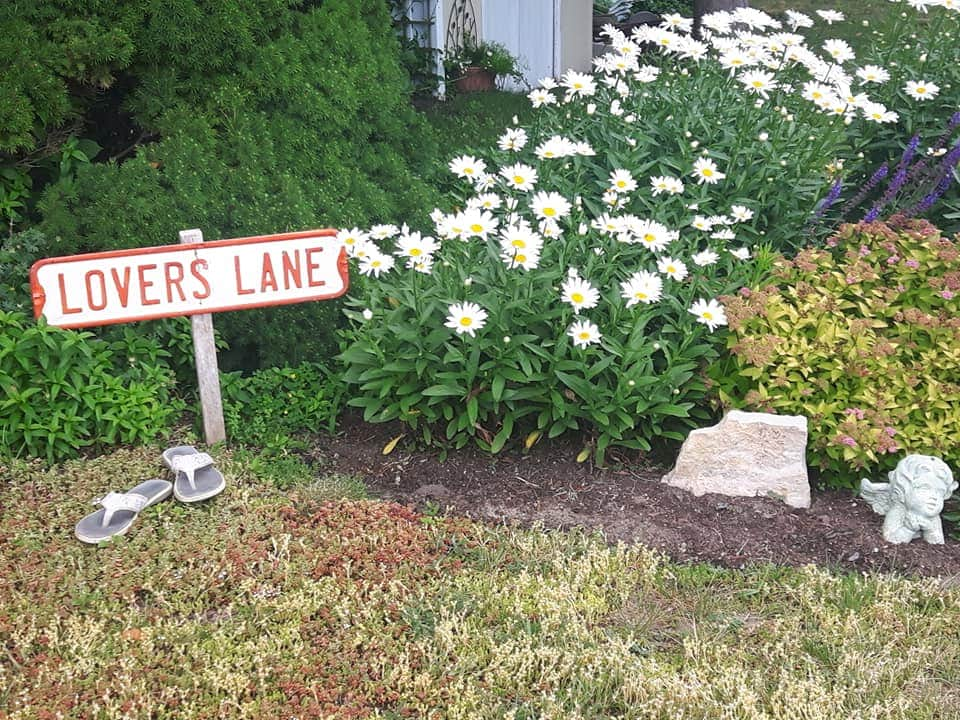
[[193, 278], [205, 355]]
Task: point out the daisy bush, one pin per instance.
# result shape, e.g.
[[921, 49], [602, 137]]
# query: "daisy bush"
[[575, 282]]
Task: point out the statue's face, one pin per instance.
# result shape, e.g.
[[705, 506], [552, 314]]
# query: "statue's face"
[[924, 496]]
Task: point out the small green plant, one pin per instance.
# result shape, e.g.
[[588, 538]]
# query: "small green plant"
[[490, 56], [61, 392], [272, 406], [862, 338]]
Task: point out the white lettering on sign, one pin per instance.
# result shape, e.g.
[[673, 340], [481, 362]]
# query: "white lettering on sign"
[[172, 280]]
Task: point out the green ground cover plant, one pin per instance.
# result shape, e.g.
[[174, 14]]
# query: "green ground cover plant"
[[272, 406], [574, 284], [862, 338], [270, 603]]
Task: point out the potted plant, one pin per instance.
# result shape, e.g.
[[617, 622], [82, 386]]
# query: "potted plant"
[[477, 66]]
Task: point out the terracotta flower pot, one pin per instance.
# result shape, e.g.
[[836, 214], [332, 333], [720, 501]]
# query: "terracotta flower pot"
[[475, 79]]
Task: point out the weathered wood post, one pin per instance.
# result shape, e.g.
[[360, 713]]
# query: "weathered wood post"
[[205, 354]]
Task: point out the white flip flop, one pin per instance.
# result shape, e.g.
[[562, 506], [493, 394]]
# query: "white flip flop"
[[195, 477], [118, 511]]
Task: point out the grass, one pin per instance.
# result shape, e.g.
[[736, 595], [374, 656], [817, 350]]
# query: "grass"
[[298, 603], [862, 18]]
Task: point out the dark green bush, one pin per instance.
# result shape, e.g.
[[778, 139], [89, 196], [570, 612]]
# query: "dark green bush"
[[17, 253], [62, 391], [270, 117]]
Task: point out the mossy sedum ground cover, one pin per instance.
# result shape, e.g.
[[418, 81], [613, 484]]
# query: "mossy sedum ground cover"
[[304, 603]]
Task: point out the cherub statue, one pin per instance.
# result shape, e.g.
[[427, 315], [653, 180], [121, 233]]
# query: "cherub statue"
[[913, 499]]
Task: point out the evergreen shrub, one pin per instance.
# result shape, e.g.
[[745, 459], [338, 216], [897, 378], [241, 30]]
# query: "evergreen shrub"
[[279, 119]]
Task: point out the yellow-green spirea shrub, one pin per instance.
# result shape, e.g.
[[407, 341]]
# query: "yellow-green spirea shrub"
[[863, 338]]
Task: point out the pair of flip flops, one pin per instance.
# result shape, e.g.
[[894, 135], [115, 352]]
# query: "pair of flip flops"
[[195, 479]]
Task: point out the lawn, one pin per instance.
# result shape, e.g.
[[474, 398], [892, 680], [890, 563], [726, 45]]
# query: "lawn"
[[312, 602]]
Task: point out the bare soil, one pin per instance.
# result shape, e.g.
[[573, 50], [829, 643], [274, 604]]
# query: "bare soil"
[[628, 502]]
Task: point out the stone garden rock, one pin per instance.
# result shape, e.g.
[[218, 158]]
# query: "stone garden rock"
[[747, 454]]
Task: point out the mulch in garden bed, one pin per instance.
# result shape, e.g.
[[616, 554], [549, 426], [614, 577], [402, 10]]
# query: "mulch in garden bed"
[[628, 503]]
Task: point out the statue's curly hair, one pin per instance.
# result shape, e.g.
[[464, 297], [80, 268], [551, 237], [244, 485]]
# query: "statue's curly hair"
[[913, 467]]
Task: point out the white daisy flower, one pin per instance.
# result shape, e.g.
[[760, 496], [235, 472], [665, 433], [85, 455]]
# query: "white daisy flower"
[[376, 263], [705, 170], [541, 97], [701, 223], [555, 147], [578, 84], [579, 293], [478, 223], [382, 232], [641, 287], [872, 74], [831, 16], [414, 245], [741, 253], [485, 201], [652, 235], [839, 50], [621, 181], [351, 237], [520, 177], [666, 184], [705, 258], [466, 317], [467, 166], [520, 237], [646, 74], [584, 333], [723, 234], [514, 139], [527, 258], [674, 269], [709, 312], [550, 205], [799, 20], [758, 82], [921, 89], [878, 113], [741, 213]]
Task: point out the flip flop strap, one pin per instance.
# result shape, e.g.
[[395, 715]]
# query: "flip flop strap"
[[114, 501], [189, 464]]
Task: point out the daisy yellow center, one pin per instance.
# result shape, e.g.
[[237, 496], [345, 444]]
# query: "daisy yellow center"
[[649, 237], [621, 183], [415, 252], [736, 61], [518, 243], [476, 227], [707, 315], [921, 90], [578, 86], [466, 321], [518, 179], [758, 83], [549, 211], [817, 95], [548, 154], [640, 295], [671, 269], [576, 297], [376, 263], [584, 335], [520, 258], [350, 241], [468, 171], [707, 172]]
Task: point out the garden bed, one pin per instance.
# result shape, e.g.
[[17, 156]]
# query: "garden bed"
[[629, 503]]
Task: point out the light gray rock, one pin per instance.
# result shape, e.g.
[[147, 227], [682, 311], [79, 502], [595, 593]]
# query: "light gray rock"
[[747, 454]]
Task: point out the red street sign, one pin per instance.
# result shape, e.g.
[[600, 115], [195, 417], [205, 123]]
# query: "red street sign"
[[189, 279]]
